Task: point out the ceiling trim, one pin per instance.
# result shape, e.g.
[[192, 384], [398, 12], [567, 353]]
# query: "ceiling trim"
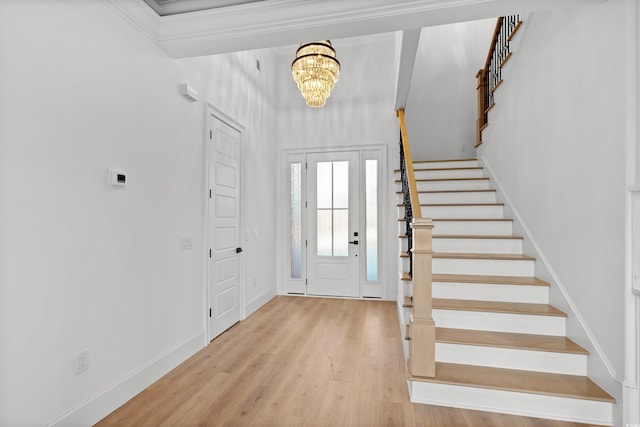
[[173, 7], [283, 22]]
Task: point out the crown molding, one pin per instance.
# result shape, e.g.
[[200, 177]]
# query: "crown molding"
[[283, 22]]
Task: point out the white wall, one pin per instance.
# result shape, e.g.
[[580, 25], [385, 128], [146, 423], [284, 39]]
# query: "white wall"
[[83, 265], [360, 109], [359, 112], [232, 83], [555, 142], [441, 109]]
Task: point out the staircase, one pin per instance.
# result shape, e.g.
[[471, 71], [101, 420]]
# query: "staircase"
[[500, 346]]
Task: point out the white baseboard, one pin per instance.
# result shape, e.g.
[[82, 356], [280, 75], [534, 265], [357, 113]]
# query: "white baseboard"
[[260, 301], [106, 401]]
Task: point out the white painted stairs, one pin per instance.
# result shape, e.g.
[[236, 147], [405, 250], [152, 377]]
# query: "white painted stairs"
[[500, 346]]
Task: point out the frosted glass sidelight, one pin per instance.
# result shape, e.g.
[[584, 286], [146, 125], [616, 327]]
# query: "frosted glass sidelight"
[[296, 220], [324, 188], [371, 208], [340, 232], [325, 232], [341, 185]]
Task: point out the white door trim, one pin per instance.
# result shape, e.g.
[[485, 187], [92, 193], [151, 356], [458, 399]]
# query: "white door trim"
[[210, 110]]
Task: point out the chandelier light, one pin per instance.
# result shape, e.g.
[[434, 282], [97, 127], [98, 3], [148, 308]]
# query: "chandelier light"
[[315, 70]]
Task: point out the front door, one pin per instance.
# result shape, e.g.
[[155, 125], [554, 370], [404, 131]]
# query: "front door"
[[224, 226], [333, 224]]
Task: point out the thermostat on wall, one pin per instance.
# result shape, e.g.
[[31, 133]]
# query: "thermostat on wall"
[[117, 178]]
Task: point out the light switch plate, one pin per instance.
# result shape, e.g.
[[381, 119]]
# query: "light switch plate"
[[186, 242]]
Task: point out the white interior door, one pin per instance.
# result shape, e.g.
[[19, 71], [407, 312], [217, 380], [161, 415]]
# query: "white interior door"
[[224, 226], [333, 224]]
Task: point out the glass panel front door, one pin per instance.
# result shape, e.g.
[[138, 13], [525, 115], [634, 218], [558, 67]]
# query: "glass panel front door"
[[333, 195]]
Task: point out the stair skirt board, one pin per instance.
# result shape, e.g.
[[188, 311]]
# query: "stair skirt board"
[[480, 228], [491, 292], [489, 267], [512, 358], [477, 245], [514, 403], [500, 322]]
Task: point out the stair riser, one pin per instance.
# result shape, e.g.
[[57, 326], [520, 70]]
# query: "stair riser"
[[443, 165], [482, 228], [453, 197], [491, 292], [488, 267], [404, 243], [465, 197], [500, 322], [507, 402], [465, 212], [474, 184], [483, 246], [459, 212], [510, 358], [448, 173]]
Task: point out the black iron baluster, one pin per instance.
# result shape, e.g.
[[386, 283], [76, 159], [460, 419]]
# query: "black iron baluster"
[[406, 201]]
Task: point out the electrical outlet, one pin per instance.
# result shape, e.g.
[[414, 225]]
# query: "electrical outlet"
[[81, 362]]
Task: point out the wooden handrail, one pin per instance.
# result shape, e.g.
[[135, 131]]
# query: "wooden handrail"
[[422, 328], [494, 42], [413, 188], [490, 76]]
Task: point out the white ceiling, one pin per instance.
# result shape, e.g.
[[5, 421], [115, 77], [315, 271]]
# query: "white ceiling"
[[174, 7]]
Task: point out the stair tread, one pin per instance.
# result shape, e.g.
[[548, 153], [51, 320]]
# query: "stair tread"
[[477, 256], [470, 219], [445, 160], [460, 255], [459, 168], [498, 280], [562, 385], [444, 169], [452, 191], [482, 178], [472, 236], [477, 236], [547, 343], [461, 204], [497, 307]]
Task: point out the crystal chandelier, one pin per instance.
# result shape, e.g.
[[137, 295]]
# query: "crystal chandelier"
[[315, 70]]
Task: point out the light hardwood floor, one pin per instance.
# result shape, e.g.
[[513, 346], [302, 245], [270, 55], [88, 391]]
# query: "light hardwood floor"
[[301, 362]]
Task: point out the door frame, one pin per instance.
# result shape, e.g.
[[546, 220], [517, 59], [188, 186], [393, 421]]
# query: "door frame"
[[211, 110], [284, 246]]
